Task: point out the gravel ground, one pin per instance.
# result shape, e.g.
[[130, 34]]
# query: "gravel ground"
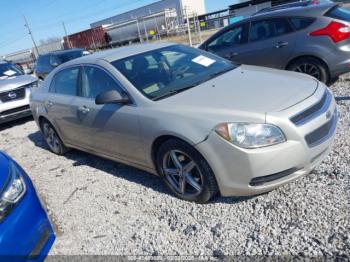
[[101, 207]]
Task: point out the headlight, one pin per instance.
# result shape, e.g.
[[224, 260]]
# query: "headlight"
[[13, 191], [34, 84], [250, 135]]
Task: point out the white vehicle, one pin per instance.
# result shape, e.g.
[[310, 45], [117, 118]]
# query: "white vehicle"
[[15, 88]]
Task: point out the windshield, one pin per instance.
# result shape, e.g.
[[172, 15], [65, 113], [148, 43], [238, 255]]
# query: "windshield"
[[9, 70], [170, 70], [70, 56]]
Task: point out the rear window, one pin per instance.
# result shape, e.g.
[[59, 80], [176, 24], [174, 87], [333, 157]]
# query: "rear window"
[[65, 57], [339, 13], [301, 22]]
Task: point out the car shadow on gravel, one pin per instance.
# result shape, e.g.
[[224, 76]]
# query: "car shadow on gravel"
[[110, 167], [126, 172], [14, 123]]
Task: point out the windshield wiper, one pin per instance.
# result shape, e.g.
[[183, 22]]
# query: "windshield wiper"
[[220, 73], [174, 92]]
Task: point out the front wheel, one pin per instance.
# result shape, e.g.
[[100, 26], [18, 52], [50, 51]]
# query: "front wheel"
[[186, 172], [310, 66]]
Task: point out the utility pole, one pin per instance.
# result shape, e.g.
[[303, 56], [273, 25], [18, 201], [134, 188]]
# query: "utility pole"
[[199, 28], [65, 31], [144, 26], [188, 26], [31, 35], [138, 30]]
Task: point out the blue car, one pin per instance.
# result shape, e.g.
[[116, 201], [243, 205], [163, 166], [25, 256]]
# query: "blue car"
[[26, 233]]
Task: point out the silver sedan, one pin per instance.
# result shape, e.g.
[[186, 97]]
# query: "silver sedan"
[[201, 123]]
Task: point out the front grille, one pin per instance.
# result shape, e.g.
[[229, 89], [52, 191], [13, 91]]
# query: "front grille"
[[258, 181], [13, 95], [313, 111], [322, 133], [14, 110]]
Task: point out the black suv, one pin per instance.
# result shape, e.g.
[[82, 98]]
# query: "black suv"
[[46, 63]]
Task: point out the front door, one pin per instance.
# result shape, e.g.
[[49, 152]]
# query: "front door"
[[110, 129], [230, 42]]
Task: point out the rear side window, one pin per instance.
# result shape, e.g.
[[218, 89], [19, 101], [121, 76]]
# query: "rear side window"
[[300, 23], [339, 13], [65, 82], [265, 29], [95, 81]]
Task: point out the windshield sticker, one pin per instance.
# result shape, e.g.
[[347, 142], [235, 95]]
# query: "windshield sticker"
[[203, 60], [151, 89], [9, 72]]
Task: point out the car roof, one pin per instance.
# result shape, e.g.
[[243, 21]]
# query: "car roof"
[[3, 62], [65, 51], [119, 53], [304, 8]]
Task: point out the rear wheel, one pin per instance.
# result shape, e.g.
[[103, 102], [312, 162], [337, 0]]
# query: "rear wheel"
[[52, 139], [186, 172], [310, 66]]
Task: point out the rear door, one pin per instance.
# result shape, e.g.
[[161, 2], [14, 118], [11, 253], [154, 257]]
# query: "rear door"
[[60, 98], [271, 43]]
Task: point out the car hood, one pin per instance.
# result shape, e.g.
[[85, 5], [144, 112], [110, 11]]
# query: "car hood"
[[248, 88], [15, 82], [4, 171]]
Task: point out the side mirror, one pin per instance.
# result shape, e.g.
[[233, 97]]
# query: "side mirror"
[[111, 97]]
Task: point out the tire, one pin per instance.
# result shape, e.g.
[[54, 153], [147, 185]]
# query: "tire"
[[52, 138], [310, 66], [189, 177]]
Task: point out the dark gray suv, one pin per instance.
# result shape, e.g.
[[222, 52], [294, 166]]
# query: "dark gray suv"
[[48, 62], [310, 37]]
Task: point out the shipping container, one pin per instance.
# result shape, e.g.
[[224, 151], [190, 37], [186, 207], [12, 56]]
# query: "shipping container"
[[93, 38]]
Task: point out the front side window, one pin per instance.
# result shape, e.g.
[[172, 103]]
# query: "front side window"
[[9, 70], [265, 29], [233, 37], [170, 70], [96, 81], [44, 60], [66, 82]]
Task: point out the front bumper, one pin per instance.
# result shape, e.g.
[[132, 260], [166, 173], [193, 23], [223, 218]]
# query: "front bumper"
[[241, 172], [26, 233], [15, 109]]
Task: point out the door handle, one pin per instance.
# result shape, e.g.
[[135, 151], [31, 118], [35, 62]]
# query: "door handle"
[[281, 44], [84, 110], [48, 104]]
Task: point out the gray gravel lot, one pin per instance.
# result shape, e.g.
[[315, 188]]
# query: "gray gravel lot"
[[102, 207]]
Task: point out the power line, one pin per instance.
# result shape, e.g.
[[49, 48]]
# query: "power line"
[[13, 41]]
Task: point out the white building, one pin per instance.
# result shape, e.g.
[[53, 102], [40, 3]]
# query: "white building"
[[196, 6]]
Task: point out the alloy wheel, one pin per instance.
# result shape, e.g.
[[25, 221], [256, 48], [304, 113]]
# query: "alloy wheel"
[[182, 173], [308, 69]]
